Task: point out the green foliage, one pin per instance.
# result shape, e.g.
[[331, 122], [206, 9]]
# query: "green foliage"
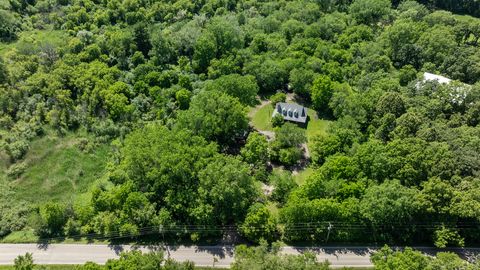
[[214, 116], [283, 184], [289, 135], [183, 98], [52, 219], [388, 259], [137, 260], [226, 189], [445, 237], [322, 93], [278, 97], [277, 120], [262, 257], [324, 146], [244, 88], [259, 224], [255, 150], [388, 204], [102, 72], [369, 11], [24, 262], [9, 26]]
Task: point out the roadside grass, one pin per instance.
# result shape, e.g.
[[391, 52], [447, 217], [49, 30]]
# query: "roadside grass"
[[30, 40], [18, 237]]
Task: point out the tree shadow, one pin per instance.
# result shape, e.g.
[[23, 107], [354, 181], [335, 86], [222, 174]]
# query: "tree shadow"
[[117, 248], [218, 251]]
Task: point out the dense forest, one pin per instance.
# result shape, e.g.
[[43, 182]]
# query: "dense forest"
[[168, 90]]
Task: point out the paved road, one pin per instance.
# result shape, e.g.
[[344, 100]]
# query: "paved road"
[[201, 255]]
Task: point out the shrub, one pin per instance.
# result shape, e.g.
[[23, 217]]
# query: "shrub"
[[277, 120], [278, 97], [16, 170], [17, 149]]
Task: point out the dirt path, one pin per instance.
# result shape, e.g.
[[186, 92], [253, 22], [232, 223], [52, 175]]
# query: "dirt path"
[[263, 102]]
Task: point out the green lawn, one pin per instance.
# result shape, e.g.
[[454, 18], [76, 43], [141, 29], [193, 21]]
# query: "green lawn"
[[261, 118], [315, 125], [56, 169], [303, 175]]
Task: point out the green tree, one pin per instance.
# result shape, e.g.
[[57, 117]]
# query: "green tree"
[[24, 262], [301, 81], [370, 11], [165, 164], [183, 98], [387, 259], [322, 91], [324, 146], [227, 34], [283, 184], [148, 261], [9, 25], [277, 120], [390, 102], [389, 204], [444, 237], [205, 51], [290, 135], [278, 97], [214, 116], [259, 224], [255, 150], [226, 190], [407, 74], [53, 218], [262, 258], [3, 72], [244, 88]]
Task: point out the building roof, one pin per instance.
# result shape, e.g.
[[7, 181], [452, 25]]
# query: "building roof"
[[291, 112], [429, 77]]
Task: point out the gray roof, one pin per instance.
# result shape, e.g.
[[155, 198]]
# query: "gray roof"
[[291, 112]]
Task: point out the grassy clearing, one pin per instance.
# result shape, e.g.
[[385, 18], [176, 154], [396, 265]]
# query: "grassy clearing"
[[28, 40], [56, 169], [303, 175], [261, 118], [315, 125]]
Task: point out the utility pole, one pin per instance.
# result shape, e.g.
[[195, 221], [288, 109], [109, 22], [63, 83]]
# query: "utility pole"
[[329, 228]]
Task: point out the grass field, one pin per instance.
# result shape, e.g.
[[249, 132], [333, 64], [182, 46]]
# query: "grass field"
[[31, 39], [56, 169]]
